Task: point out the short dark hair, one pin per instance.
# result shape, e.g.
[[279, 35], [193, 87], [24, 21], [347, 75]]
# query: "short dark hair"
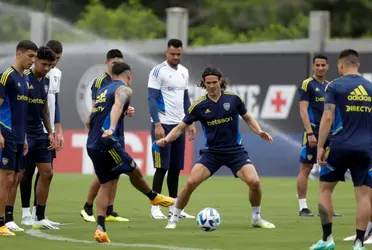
[[25, 45], [320, 56], [349, 56], [55, 45], [175, 43], [212, 71], [120, 68], [46, 53], [113, 53]]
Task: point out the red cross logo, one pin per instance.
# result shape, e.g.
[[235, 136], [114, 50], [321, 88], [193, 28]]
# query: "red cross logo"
[[278, 102]]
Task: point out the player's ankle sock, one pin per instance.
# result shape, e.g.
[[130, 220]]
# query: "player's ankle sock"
[[369, 230], [88, 208], [26, 212], [303, 203], [327, 231], [40, 212], [109, 210], [2, 221], [101, 223], [33, 213], [176, 214], [151, 195], [9, 214], [360, 236], [256, 213]]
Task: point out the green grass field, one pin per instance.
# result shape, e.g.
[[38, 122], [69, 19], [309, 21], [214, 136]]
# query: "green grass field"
[[226, 194]]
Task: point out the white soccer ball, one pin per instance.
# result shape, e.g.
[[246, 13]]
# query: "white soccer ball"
[[208, 219]]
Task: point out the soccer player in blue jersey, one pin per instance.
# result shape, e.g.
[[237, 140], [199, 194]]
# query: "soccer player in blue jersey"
[[13, 122], [112, 56], [348, 105], [40, 143], [218, 113], [311, 93], [107, 154]]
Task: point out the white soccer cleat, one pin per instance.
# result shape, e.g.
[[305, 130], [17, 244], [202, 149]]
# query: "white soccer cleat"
[[171, 225], [350, 238], [12, 226], [261, 223], [184, 215], [27, 221], [53, 223], [44, 224], [368, 241], [157, 214]]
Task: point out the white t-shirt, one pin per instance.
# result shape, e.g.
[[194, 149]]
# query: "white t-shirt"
[[172, 84], [54, 86]]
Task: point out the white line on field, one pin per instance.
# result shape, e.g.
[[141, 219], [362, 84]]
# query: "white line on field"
[[40, 234]]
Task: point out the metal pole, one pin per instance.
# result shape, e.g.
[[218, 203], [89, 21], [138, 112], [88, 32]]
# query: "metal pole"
[[178, 24]]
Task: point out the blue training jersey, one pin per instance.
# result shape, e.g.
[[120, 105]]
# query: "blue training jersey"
[[13, 111], [312, 91], [37, 101], [352, 96], [100, 119], [220, 121]]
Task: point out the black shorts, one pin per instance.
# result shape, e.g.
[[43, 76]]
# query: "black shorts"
[[308, 155], [38, 149], [214, 161], [12, 156], [110, 164], [339, 159]]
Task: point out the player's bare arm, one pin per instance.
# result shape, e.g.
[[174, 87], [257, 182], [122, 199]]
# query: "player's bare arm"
[[48, 126], [255, 127], [324, 129], [173, 135], [122, 96], [304, 105], [87, 123]]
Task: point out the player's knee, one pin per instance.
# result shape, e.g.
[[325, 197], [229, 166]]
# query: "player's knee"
[[8, 179], [254, 184], [192, 183], [47, 174]]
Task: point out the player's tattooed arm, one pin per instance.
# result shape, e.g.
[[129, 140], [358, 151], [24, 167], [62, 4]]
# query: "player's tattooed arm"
[[326, 123], [122, 96], [46, 118]]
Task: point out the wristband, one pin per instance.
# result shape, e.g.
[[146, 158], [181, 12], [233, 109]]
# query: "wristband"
[[310, 134]]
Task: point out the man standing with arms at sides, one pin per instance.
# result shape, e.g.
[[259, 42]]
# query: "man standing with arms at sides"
[[112, 56], [54, 76], [13, 122], [311, 104], [108, 156], [39, 142], [218, 112], [348, 104], [168, 101]]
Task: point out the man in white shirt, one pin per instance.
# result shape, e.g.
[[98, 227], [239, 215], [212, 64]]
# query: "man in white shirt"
[[54, 75], [168, 101]]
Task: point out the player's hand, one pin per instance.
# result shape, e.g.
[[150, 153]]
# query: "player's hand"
[[51, 141], [25, 148], [192, 132], [60, 142], [162, 142], [107, 133], [87, 124], [2, 142], [266, 136], [130, 112], [159, 131], [312, 141], [321, 156]]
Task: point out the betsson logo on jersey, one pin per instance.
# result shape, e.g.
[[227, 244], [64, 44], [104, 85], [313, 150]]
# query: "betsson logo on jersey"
[[277, 104]]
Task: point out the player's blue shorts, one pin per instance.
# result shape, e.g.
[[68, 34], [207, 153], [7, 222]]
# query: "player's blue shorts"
[[110, 164], [38, 149], [308, 155], [214, 161], [12, 156], [339, 159], [172, 156]]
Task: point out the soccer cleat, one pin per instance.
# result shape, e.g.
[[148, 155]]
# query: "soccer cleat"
[[157, 214], [324, 245], [4, 231], [101, 237], [53, 223], [161, 200], [305, 212], [335, 214], [12, 226], [368, 240], [27, 221], [358, 246], [260, 223], [87, 217], [171, 225], [44, 224], [183, 215], [114, 217], [350, 238]]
